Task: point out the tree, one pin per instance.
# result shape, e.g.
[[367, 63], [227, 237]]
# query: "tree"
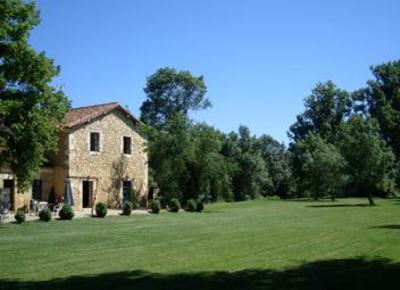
[[169, 151], [170, 92], [186, 160], [277, 161], [324, 111], [370, 161], [210, 169], [322, 166], [381, 100], [31, 111], [249, 175]]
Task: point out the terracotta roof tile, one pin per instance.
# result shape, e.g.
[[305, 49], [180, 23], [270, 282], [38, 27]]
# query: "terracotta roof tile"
[[83, 115]]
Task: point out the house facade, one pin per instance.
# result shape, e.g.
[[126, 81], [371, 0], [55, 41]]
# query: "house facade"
[[100, 153]]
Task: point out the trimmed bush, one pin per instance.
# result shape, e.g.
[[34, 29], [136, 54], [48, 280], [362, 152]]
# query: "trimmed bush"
[[127, 208], [101, 209], [199, 206], [20, 216], [174, 205], [45, 215], [66, 212], [155, 206], [191, 205]]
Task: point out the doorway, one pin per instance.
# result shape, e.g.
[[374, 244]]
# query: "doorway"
[[9, 184], [126, 190], [87, 193]]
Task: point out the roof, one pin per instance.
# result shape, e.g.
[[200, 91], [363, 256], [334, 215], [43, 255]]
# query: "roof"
[[83, 115]]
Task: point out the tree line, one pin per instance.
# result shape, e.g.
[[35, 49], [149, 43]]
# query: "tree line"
[[343, 143]]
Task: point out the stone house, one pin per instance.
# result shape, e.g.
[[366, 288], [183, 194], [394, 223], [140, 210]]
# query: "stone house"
[[100, 152]]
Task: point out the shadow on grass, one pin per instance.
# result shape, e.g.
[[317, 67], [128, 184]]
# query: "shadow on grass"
[[339, 205], [392, 227], [327, 274]]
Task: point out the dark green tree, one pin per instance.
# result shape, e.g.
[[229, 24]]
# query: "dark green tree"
[[169, 151], [250, 174], [371, 164], [381, 100], [31, 111], [186, 160], [170, 92], [277, 160], [210, 168], [324, 111], [321, 167]]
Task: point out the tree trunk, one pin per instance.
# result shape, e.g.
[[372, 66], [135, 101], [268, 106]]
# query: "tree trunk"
[[332, 197], [370, 200]]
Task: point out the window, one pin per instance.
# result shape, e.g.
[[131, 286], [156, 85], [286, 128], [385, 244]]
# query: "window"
[[95, 141], [127, 145]]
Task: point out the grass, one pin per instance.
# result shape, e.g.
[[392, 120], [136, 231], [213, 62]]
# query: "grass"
[[249, 245]]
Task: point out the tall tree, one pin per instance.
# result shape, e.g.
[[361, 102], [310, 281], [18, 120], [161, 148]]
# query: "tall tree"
[[381, 100], [186, 160], [250, 175], [277, 160], [324, 111], [170, 92], [31, 111], [370, 161], [321, 167]]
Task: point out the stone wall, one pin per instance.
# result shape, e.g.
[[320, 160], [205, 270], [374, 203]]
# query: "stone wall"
[[108, 167]]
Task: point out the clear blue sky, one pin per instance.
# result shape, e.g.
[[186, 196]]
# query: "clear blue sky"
[[259, 58]]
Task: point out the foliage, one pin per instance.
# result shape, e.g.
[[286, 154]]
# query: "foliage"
[[191, 205], [20, 216], [186, 161], [370, 161], [66, 212], [170, 92], [324, 111], [45, 215], [127, 208], [155, 206], [320, 166], [174, 205], [101, 209], [199, 206], [31, 111], [381, 101], [277, 160], [249, 172]]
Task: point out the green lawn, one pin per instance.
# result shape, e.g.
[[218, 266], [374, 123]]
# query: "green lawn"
[[249, 245]]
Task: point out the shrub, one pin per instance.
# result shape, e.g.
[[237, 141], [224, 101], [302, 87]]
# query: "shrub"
[[66, 212], [127, 208], [45, 215], [155, 206], [20, 216], [191, 205], [101, 209], [174, 205], [199, 206]]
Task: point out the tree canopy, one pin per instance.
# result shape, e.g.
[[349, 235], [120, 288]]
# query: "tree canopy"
[[381, 100], [31, 110], [170, 92], [324, 111], [370, 161]]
